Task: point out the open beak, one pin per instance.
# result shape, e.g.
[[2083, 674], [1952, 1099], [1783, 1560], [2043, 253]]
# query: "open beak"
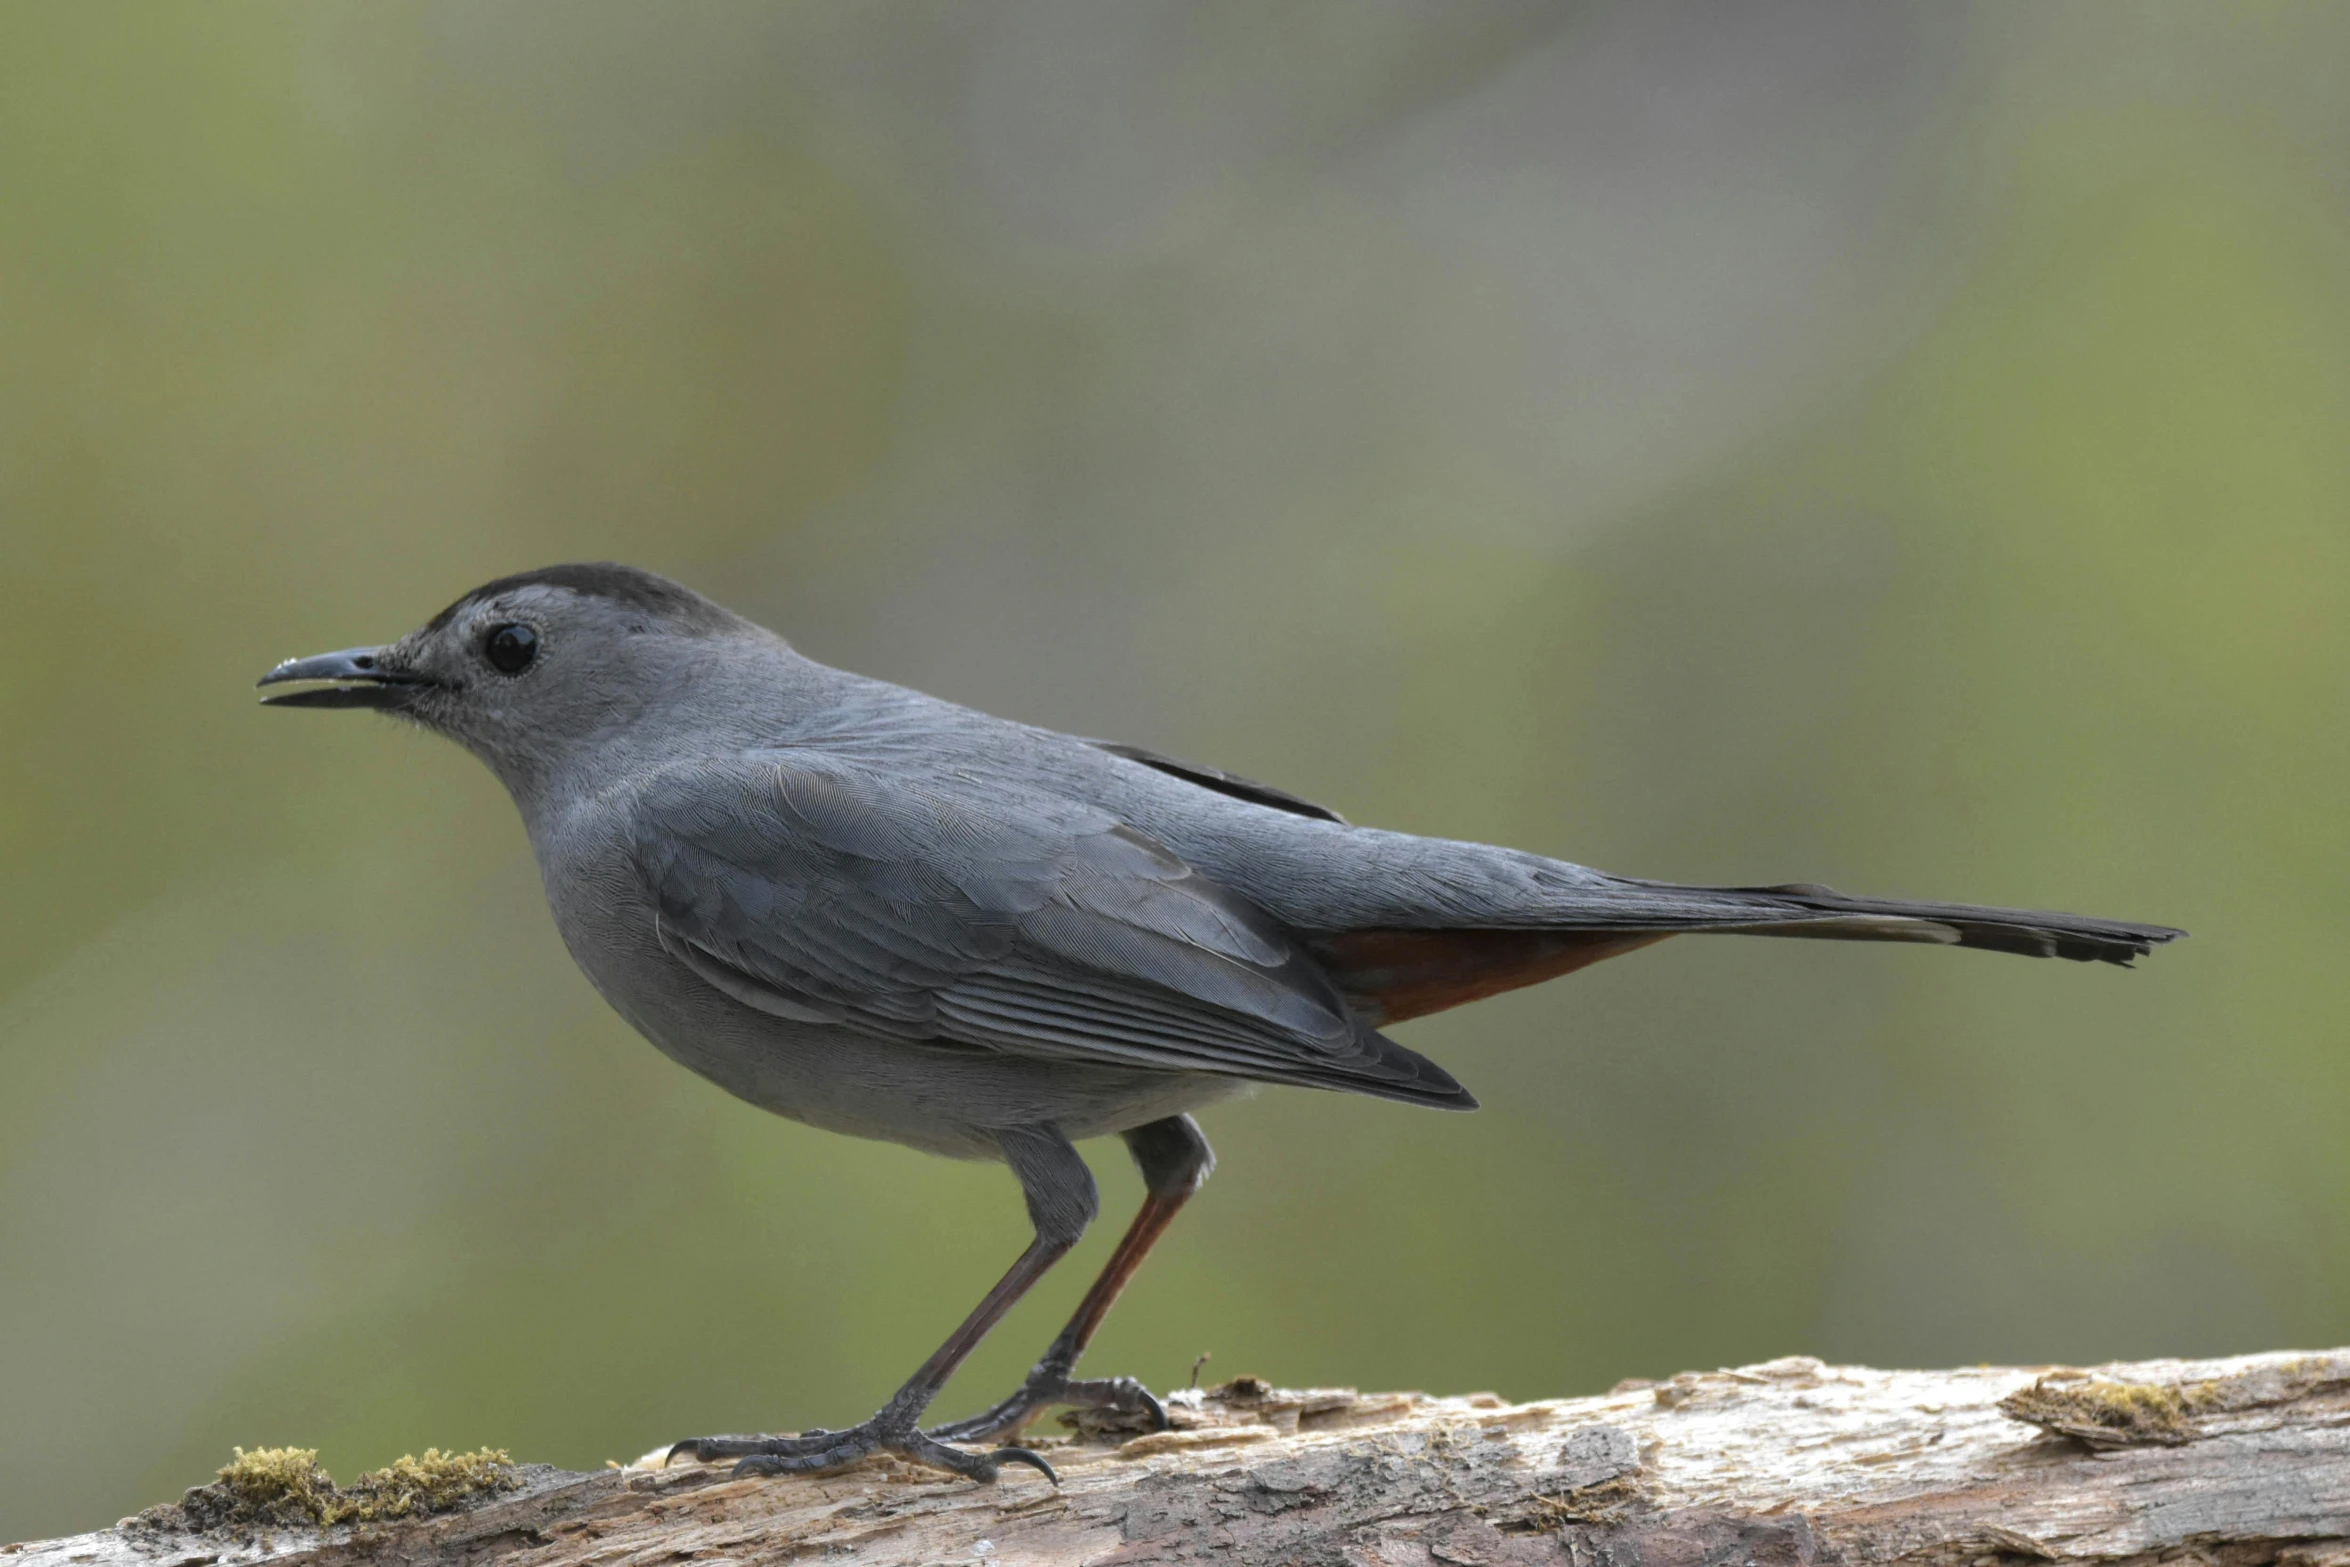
[[358, 679]]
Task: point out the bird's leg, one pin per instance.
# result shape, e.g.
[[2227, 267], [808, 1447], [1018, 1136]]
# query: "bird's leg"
[[1061, 1203], [1174, 1159]]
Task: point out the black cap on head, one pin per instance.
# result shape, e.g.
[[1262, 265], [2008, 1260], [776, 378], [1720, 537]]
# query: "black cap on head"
[[658, 597]]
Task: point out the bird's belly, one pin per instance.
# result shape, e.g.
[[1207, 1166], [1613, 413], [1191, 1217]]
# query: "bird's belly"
[[947, 1099]]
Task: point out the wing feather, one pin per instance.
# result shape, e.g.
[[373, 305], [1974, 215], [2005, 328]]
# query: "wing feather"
[[812, 888]]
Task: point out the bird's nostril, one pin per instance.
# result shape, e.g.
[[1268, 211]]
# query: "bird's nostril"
[[365, 661]]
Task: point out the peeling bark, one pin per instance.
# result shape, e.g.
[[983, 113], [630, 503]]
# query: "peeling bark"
[[2235, 1463]]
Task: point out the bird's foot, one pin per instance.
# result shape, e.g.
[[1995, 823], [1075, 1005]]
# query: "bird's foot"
[[1045, 1388], [884, 1433]]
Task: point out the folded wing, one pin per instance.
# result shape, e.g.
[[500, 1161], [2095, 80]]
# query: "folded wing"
[[811, 888]]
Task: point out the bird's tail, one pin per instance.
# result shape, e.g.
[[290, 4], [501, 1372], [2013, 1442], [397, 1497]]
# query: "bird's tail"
[[1805, 909], [1392, 974]]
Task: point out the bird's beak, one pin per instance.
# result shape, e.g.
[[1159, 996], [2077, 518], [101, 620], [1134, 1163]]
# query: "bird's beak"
[[359, 676]]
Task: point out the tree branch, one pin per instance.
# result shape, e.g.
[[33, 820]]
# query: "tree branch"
[[2234, 1463]]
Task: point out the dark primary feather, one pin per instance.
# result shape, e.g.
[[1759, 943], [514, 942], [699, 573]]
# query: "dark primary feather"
[[1222, 782], [809, 886]]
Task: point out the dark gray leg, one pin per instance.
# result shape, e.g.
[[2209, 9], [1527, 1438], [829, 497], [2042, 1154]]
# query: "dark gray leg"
[[1175, 1160], [1061, 1203]]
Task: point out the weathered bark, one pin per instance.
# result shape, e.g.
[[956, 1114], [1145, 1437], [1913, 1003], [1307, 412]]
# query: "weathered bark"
[[2231, 1463]]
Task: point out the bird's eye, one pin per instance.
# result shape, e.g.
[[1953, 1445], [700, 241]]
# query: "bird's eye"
[[510, 649]]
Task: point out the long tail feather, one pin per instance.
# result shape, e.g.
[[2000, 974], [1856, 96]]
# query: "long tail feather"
[[1393, 974], [1824, 913]]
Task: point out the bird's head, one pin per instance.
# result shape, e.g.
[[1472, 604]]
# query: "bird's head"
[[531, 670]]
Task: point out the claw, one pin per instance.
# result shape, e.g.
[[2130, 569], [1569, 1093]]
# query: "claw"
[[1035, 1461], [707, 1448]]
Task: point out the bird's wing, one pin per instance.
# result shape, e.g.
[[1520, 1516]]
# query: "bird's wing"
[[812, 887]]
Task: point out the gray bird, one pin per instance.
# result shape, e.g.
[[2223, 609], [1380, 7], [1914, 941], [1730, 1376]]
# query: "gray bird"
[[879, 913]]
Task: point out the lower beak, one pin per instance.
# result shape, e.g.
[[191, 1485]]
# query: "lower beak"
[[358, 679]]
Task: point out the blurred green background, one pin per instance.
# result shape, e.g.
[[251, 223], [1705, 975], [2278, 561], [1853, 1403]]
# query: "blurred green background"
[[1901, 446]]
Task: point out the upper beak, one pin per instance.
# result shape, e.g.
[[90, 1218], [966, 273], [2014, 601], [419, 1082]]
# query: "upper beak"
[[361, 680]]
